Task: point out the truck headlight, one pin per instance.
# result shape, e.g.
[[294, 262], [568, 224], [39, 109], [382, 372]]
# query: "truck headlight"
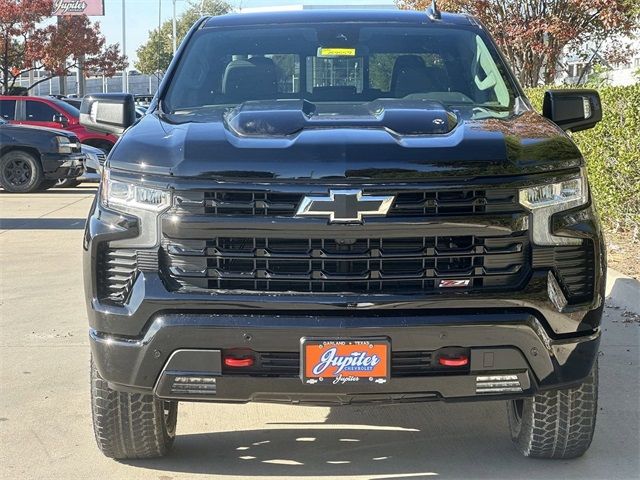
[[145, 203], [545, 200], [130, 198], [64, 144]]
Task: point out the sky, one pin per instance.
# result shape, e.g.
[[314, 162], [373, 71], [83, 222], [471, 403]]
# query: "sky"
[[141, 16]]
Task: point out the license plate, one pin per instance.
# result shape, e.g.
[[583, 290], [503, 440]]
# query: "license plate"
[[347, 361]]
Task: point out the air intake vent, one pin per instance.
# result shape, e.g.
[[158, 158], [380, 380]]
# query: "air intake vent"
[[117, 270], [496, 384], [574, 267], [193, 385]]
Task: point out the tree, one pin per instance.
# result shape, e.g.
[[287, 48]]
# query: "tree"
[[157, 53], [599, 76], [534, 33], [28, 45]]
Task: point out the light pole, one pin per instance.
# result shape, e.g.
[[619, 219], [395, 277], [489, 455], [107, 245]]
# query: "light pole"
[[159, 35], [125, 84], [174, 28]]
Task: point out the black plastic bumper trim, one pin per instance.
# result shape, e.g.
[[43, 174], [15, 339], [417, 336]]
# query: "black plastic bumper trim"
[[136, 364]]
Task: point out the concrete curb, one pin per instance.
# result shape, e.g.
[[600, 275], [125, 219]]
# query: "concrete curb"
[[623, 291]]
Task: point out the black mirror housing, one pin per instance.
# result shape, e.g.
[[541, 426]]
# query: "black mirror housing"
[[572, 109], [108, 112]]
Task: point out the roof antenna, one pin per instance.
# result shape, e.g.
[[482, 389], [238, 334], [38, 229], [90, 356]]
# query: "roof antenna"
[[432, 12]]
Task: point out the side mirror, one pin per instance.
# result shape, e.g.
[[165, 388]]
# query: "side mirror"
[[61, 119], [108, 112], [572, 110]]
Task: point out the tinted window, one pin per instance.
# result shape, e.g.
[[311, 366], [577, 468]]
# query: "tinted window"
[[39, 112], [8, 109], [340, 63], [67, 107]]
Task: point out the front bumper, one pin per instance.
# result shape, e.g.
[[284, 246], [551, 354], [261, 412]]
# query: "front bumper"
[[527, 335], [500, 343], [90, 175], [59, 166]]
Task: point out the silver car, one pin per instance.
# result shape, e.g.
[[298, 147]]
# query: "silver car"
[[93, 164]]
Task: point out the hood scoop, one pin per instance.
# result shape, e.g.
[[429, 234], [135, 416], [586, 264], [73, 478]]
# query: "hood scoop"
[[281, 118]]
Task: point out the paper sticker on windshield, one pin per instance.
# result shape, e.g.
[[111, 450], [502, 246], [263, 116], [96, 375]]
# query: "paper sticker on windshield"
[[336, 52]]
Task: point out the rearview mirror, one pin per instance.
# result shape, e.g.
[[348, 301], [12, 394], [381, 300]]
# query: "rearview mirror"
[[572, 110], [108, 112]]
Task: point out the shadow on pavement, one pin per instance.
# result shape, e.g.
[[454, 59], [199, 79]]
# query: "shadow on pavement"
[[384, 442], [42, 223], [83, 189], [403, 441]]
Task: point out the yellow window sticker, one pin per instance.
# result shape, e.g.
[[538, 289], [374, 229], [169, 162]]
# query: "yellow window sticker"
[[336, 52]]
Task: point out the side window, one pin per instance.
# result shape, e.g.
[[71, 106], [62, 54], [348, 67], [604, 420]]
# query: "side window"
[[39, 112], [8, 109], [487, 76]]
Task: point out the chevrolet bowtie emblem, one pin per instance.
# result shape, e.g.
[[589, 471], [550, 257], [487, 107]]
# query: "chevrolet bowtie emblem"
[[344, 206]]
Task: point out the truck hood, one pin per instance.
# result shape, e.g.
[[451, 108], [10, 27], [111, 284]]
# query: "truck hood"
[[362, 147], [16, 129]]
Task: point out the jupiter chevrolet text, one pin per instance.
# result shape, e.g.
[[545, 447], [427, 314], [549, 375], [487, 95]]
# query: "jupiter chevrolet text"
[[343, 207]]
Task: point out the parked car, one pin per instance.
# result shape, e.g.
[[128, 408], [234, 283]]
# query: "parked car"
[[336, 207], [93, 164], [54, 113], [36, 158], [74, 102], [140, 111], [94, 159], [143, 99]]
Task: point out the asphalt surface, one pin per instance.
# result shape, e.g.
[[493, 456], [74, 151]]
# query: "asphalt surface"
[[45, 417]]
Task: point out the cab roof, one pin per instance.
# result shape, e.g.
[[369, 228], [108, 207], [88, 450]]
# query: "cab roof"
[[409, 17]]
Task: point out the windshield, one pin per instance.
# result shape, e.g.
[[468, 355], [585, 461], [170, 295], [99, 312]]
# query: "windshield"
[[333, 63], [70, 109]]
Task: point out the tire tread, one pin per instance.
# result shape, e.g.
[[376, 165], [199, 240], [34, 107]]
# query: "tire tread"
[[127, 425], [557, 423]]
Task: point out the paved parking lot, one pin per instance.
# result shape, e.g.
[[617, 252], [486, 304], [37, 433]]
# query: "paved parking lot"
[[45, 418]]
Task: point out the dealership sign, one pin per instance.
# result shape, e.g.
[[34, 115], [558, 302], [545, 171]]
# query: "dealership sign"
[[78, 7]]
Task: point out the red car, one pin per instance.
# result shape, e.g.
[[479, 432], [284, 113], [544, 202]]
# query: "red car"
[[54, 113]]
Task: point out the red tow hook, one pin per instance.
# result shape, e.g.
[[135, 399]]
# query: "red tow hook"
[[459, 361], [238, 362]]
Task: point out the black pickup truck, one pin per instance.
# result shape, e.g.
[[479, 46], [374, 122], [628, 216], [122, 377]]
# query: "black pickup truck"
[[353, 207], [36, 158]]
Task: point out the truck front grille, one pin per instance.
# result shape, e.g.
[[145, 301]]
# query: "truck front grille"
[[117, 270], [407, 203], [369, 265]]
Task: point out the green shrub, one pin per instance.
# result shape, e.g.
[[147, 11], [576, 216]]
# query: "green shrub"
[[612, 151]]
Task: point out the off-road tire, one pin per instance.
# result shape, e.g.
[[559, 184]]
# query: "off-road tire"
[[20, 161], [556, 423], [131, 425]]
